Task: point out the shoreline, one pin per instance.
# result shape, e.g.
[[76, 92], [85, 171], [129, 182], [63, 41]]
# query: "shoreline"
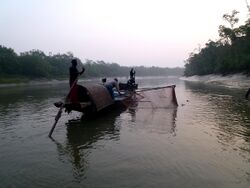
[[239, 80], [11, 82]]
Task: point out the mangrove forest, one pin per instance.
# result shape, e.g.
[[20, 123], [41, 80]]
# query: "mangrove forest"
[[35, 64], [228, 55]]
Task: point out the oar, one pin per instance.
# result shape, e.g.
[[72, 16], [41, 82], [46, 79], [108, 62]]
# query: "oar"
[[154, 88], [59, 113]]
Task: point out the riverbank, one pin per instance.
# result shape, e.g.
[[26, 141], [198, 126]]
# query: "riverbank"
[[230, 81], [45, 81], [19, 81], [13, 80]]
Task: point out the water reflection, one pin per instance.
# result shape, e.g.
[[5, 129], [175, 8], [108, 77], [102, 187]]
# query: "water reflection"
[[88, 136], [154, 146], [160, 121], [84, 136], [13, 95], [33, 99], [226, 111]]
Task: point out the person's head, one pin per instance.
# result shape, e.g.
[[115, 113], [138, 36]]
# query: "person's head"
[[104, 80], [115, 79], [74, 62]]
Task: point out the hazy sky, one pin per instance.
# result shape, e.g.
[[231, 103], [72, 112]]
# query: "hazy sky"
[[128, 32]]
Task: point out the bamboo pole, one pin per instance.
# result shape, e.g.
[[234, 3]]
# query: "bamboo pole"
[[59, 113], [155, 88]]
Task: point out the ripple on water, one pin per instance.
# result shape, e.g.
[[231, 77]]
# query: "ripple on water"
[[204, 143]]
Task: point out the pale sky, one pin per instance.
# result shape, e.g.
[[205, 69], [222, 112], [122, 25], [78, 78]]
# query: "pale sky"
[[128, 32]]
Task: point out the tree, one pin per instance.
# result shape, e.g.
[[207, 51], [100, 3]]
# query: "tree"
[[229, 54], [8, 61], [229, 34]]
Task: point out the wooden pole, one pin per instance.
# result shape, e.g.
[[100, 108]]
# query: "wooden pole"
[[174, 99], [59, 113], [154, 88]]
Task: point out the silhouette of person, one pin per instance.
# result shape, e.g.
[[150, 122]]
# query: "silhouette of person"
[[73, 72], [132, 74], [247, 94], [131, 81]]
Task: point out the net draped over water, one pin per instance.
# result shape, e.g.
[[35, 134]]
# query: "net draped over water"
[[158, 98], [155, 110]]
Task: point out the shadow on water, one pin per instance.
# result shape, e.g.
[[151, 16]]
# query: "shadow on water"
[[227, 110]]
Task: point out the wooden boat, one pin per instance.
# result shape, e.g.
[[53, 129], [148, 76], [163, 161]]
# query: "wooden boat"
[[91, 98]]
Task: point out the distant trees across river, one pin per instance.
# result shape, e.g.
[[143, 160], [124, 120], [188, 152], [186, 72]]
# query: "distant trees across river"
[[35, 64], [229, 54]]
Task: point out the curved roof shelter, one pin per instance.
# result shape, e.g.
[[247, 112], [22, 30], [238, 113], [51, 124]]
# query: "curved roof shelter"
[[99, 95]]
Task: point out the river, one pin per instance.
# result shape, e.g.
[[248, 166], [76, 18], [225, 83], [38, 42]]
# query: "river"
[[204, 142]]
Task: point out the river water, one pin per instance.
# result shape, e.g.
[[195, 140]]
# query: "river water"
[[204, 142]]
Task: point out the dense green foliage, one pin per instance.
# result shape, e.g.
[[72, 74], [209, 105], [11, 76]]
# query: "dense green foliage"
[[101, 69], [36, 64], [229, 54], [33, 64]]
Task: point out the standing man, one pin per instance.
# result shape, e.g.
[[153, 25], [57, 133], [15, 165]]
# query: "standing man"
[[132, 74], [247, 94], [73, 72], [131, 82]]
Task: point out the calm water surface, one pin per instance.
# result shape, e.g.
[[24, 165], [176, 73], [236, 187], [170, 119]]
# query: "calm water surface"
[[205, 142]]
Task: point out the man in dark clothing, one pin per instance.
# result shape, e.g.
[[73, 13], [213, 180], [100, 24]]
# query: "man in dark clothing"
[[131, 82], [247, 94], [132, 74], [73, 72]]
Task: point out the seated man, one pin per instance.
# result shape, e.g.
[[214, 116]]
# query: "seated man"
[[111, 85]]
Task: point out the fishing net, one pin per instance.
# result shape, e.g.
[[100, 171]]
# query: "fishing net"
[[155, 110], [157, 98]]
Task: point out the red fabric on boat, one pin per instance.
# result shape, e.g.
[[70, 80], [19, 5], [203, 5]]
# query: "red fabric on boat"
[[73, 95]]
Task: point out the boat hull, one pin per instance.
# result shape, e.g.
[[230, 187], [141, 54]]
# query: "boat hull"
[[91, 99]]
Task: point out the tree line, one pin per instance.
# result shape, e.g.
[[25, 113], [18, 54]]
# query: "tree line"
[[35, 64], [227, 55]]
